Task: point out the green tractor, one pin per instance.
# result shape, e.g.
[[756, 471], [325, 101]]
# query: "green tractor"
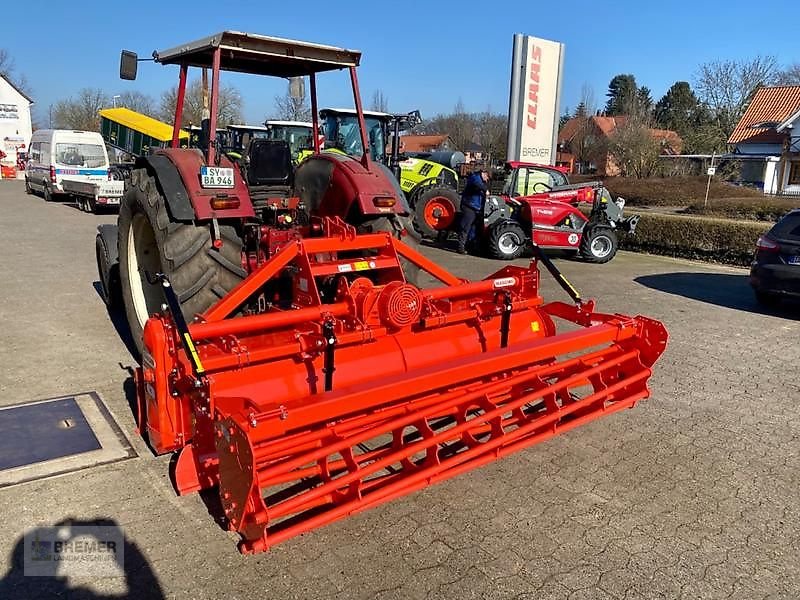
[[428, 180]]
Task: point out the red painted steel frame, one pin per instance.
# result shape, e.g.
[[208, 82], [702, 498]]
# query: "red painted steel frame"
[[314, 114], [176, 126], [360, 112], [212, 123], [411, 405]]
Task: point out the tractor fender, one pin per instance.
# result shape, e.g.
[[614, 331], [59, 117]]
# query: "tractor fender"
[[334, 185], [177, 172]]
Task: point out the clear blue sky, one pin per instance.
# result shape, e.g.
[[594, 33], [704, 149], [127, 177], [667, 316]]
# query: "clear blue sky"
[[440, 51]]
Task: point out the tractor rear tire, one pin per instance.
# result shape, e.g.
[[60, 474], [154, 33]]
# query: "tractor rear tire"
[[151, 242], [402, 229], [506, 240], [436, 210], [599, 244]]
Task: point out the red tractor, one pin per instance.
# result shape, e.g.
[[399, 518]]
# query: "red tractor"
[[205, 218], [538, 205]]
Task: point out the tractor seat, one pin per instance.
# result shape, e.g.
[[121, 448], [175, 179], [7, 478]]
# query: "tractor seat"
[[269, 164]]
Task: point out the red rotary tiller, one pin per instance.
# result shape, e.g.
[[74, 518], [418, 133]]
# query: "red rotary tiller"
[[325, 384]]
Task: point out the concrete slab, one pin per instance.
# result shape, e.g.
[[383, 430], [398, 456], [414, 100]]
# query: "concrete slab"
[[58, 436]]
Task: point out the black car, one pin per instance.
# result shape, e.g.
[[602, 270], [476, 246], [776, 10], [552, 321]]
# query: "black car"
[[775, 272]]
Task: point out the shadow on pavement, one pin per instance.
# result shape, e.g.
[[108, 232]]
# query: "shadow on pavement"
[[117, 317], [722, 289], [140, 579]]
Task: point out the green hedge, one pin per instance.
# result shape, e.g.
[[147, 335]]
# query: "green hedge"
[[716, 240]]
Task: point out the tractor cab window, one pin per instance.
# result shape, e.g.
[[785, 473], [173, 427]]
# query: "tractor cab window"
[[298, 137], [526, 181], [342, 132]]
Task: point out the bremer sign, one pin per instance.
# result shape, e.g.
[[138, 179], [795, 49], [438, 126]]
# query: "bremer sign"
[[537, 65]]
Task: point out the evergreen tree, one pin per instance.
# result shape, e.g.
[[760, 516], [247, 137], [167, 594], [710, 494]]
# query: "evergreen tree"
[[621, 95]]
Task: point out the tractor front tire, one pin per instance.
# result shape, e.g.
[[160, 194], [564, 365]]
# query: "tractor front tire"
[[599, 244], [435, 211], [506, 240], [150, 242]]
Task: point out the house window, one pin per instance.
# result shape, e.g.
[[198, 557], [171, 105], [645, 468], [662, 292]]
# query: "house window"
[[794, 174]]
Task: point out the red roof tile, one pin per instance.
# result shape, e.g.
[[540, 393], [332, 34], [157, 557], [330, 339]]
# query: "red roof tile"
[[769, 105]]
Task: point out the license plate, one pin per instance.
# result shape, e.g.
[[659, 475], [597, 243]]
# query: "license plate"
[[216, 177], [794, 260], [109, 200]]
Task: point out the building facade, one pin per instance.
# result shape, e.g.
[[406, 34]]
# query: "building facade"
[[767, 140], [15, 121]]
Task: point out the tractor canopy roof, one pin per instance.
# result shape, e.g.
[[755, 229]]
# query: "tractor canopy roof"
[[287, 123], [260, 55], [352, 111]]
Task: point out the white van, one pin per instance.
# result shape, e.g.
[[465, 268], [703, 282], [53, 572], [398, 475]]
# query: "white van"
[[59, 154]]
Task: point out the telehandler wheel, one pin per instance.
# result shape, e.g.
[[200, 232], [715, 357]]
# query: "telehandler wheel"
[[506, 240], [599, 244], [150, 242], [435, 211], [396, 225]]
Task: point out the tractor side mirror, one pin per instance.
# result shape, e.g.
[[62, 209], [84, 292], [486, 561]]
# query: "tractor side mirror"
[[128, 65]]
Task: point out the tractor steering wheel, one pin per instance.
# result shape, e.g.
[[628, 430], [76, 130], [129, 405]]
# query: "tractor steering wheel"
[[546, 187]]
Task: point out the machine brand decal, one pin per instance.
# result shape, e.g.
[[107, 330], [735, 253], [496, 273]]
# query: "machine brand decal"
[[534, 326], [504, 282], [345, 268], [361, 265], [573, 238], [533, 88]]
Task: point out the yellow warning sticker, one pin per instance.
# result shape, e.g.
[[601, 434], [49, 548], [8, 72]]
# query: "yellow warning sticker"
[[361, 265], [534, 326], [195, 358]]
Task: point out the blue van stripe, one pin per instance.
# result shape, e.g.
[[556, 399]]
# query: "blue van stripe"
[[82, 172]]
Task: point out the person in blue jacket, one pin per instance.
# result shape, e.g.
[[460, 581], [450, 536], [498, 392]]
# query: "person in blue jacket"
[[472, 201]]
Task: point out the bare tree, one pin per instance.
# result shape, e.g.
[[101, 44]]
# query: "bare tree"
[[588, 100], [789, 76], [491, 132], [726, 86], [229, 107], [380, 103], [8, 69], [81, 111], [634, 148], [291, 107], [139, 102]]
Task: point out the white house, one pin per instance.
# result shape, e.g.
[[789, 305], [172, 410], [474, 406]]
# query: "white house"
[[767, 139], [15, 120]]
